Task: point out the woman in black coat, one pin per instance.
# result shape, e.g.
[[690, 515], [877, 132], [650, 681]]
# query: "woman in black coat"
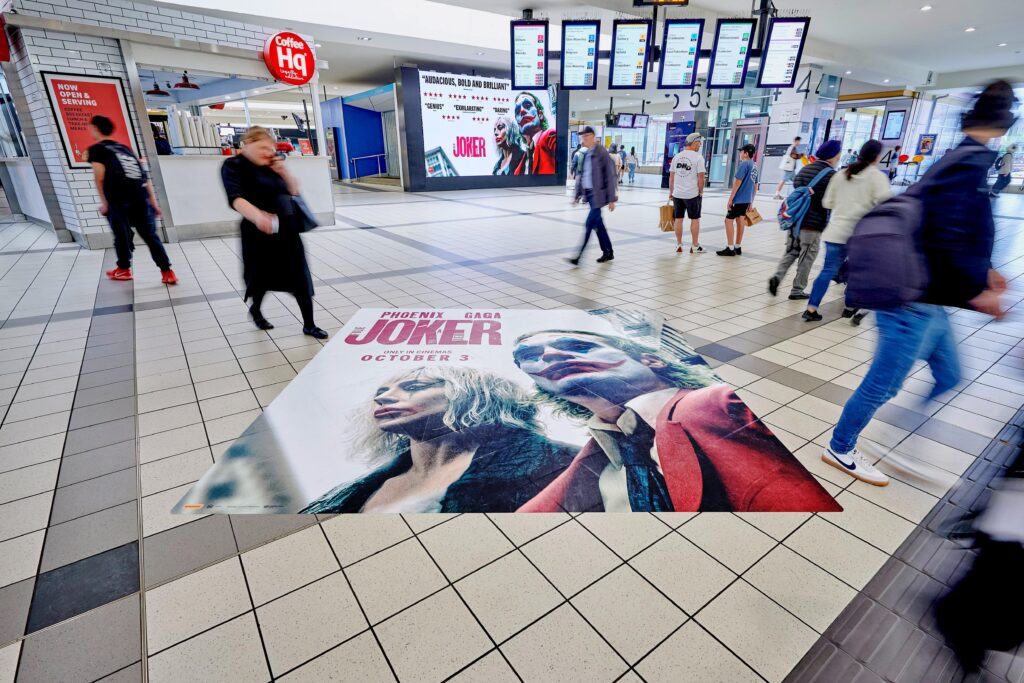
[[273, 259]]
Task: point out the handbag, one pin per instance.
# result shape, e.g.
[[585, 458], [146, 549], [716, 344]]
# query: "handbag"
[[667, 218], [753, 216], [304, 218]]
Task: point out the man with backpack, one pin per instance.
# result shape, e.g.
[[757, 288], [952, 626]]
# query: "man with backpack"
[[1004, 171], [127, 200], [805, 217], [915, 254]]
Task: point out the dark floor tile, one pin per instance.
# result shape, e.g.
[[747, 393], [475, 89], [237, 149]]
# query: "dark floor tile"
[[99, 379], [253, 530], [121, 345], [756, 365], [759, 336], [107, 392], [89, 535], [96, 436], [719, 352], [183, 549], [797, 380], [91, 464], [901, 417], [951, 435], [85, 649], [131, 674], [744, 346], [15, 601], [100, 413], [84, 585], [93, 495]]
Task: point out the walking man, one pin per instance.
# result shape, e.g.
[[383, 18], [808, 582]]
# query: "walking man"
[[598, 187], [744, 188], [788, 165], [803, 248], [956, 237], [686, 190], [127, 200], [1004, 169]]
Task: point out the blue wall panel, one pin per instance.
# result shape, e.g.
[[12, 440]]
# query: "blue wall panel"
[[364, 136]]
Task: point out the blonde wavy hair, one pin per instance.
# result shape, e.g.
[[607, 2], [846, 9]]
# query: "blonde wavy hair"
[[255, 134], [478, 401]]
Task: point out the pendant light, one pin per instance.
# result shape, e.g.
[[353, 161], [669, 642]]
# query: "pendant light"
[[185, 83], [157, 91]]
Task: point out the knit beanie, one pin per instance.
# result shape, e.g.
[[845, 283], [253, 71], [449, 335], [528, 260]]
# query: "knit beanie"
[[993, 108], [829, 149]]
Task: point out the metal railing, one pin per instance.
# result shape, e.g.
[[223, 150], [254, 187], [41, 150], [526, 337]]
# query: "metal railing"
[[378, 157]]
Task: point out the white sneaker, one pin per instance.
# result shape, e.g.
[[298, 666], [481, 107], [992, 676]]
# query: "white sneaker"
[[697, 249], [777, 196], [854, 464]]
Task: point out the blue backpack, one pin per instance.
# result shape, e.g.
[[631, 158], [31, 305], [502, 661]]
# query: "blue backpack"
[[794, 207]]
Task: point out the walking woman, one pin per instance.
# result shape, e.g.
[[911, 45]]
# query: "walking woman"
[[852, 193], [273, 259], [631, 163]]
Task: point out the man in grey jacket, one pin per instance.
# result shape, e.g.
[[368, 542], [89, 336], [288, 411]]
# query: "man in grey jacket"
[[598, 185]]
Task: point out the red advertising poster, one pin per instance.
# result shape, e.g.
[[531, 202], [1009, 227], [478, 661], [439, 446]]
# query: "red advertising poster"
[[306, 146], [75, 100]]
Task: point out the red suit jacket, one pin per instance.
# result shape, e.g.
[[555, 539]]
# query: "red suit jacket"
[[544, 146], [757, 472]]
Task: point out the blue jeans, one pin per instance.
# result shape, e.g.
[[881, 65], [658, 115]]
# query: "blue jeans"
[[632, 172], [1001, 182], [595, 223], [835, 254], [917, 331]]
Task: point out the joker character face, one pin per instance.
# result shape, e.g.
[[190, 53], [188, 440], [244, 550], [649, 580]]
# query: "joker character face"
[[529, 114]]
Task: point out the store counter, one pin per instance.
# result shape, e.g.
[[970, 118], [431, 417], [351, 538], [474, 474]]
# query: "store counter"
[[199, 207]]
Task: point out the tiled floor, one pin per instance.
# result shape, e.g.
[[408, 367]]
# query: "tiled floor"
[[115, 397]]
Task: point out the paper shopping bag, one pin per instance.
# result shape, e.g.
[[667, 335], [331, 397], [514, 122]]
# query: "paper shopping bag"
[[667, 219], [753, 216]]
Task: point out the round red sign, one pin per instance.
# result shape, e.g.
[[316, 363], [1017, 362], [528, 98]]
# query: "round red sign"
[[289, 58]]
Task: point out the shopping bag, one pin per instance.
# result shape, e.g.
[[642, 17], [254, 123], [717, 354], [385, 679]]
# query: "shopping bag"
[[667, 218], [753, 216]]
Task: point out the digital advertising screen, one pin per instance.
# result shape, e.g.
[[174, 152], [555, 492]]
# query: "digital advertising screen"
[[631, 39], [893, 128], [731, 53], [479, 126], [529, 54], [641, 120], [680, 53], [580, 45], [624, 121], [781, 57]]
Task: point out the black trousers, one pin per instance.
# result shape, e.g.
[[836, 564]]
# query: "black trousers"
[[138, 215], [304, 300], [595, 223]]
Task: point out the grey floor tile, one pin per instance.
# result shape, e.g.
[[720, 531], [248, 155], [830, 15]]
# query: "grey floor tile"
[[92, 464], [102, 394], [254, 530], [796, 379], [833, 393], [901, 417], [951, 435], [124, 373], [100, 413], [15, 601], [97, 436], [129, 674], [719, 352], [93, 495], [99, 643], [88, 535], [756, 365], [184, 549], [107, 363]]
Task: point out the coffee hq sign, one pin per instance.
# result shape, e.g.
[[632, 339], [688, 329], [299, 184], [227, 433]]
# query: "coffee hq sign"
[[289, 58]]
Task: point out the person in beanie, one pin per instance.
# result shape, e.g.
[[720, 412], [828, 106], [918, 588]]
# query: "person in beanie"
[[598, 186], [803, 248], [956, 238]]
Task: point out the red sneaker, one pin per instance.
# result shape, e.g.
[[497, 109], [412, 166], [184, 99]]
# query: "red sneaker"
[[120, 274], [168, 277]]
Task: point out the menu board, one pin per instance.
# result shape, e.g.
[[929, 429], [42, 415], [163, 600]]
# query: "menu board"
[[631, 39], [529, 54], [580, 41], [731, 53], [781, 57], [680, 53]]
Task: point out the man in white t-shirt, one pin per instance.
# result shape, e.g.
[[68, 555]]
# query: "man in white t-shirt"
[[788, 165], [686, 189]]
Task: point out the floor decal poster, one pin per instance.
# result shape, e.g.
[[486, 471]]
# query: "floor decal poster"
[[75, 100], [506, 411], [477, 126]]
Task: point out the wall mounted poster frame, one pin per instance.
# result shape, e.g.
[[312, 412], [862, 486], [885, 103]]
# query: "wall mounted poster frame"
[[669, 56], [731, 26], [634, 61], [75, 99], [779, 46], [535, 60], [590, 55]]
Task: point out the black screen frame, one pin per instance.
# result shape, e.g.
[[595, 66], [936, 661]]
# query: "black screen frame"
[[806, 21], [596, 23], [512, 48]]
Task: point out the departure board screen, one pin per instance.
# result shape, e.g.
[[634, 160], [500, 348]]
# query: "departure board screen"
[[631, 39], [580, 45], [529, 54], [680, 53], [781, 57], [731, 53]]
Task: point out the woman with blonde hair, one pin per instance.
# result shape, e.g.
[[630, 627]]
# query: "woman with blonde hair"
[[261, 189], [450, 439]]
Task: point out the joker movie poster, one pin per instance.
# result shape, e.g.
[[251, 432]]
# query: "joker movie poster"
[[463, 410], [478, 126]]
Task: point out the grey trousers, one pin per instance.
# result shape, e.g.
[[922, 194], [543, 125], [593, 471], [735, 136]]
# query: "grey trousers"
[[803, 250]]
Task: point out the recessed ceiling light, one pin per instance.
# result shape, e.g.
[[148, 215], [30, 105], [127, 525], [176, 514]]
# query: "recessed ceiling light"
[[364, 38], [479, 53], [969, 29], [885, 81], [1001, 45], [848, 73], [926, 8], [317, 45]]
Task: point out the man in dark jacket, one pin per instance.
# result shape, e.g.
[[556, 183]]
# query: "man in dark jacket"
[[597, 185], [956, 239], [803, 248]]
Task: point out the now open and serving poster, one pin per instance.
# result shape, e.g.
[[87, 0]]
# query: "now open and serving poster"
[[75, 100], [459, 410]]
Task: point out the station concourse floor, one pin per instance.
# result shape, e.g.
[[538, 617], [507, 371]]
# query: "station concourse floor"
[[116, 396]]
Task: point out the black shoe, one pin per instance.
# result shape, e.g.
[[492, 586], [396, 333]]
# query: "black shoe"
[[799, 297], [849, 312], [574, 261], [773, 286], [857, 318], [811, 316], [315, 332], [739, 250], [728, 251], [260, 322], [606, 256]]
